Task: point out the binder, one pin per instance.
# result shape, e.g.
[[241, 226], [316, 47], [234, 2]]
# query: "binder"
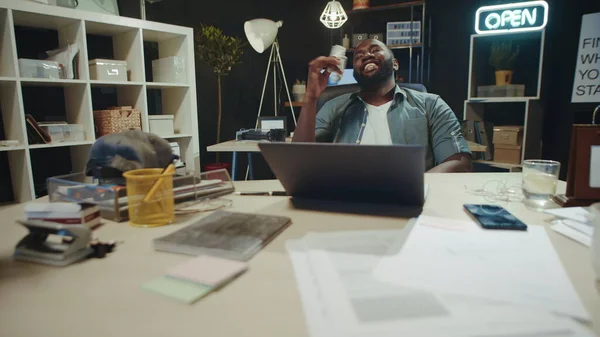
[[486, 134]]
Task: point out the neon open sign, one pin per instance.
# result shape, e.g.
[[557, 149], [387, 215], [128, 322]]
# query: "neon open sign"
[[517, 17]]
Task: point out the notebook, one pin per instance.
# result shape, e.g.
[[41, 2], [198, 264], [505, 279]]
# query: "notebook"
[[230, 235]]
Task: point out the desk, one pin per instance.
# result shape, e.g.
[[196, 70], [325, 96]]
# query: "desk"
[[235, 146], [103, 297]]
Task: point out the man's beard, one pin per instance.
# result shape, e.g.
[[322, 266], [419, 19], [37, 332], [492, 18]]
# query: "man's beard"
[[380, 77]]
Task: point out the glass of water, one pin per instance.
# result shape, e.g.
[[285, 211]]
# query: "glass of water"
[[540, 178]]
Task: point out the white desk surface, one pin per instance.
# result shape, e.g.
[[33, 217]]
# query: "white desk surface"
[[103, 297]]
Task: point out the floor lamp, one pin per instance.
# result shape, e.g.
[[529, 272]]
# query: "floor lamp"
[[262, 34]]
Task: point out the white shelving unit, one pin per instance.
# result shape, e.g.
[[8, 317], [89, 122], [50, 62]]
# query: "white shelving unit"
[[128, 37], [529, 105]]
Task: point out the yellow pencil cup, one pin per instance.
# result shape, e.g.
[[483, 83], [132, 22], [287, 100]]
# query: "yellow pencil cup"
[[150, 197]]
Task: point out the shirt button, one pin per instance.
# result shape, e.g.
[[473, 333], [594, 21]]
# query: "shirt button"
[[358, 142], [363, 125]]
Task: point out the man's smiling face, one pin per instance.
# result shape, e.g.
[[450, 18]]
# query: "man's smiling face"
[[373, 63]]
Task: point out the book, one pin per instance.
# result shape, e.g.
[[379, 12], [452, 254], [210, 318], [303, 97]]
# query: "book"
[[229, 235], [35, 134], [64, 213]]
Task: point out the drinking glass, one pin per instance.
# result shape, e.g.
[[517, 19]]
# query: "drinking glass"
[[540, 178]]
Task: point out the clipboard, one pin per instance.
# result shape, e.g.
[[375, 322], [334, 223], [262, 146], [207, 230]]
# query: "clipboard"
[[582, 186]]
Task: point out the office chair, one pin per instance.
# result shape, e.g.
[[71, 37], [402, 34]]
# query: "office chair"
[[338, 90]]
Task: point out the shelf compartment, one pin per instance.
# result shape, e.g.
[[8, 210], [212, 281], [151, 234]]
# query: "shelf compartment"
[[178, 135], [114, 42], [12, 116], [527, 70], [159, 85], [65, 144], [47, 33], [105, 96], [20, 175], [105, 84], [64, 159], [49, 82], [160, 45], [172, 101], [70, 103], [7, 45]]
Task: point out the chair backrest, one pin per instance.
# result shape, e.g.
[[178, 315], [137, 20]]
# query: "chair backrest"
[[338, 90]]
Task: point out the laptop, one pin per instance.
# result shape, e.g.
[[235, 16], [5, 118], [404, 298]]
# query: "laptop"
[[382, 174]]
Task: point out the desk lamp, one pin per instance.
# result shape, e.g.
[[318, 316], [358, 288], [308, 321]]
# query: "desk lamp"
[[262, 34]]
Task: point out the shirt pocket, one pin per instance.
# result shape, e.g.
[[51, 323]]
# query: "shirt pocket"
[[416, 131]]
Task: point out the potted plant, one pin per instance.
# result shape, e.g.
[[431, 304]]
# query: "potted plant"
[[220, 52], [503, 58]]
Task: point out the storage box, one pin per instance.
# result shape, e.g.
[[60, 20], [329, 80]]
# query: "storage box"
[[508, 135], [169, 70], [510, 90], [61, 133], [117, 119], [108, 70], [509, 154], [162, 125], [39, 69]]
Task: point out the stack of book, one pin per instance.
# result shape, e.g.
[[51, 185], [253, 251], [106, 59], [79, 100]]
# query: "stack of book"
[[65, 213]]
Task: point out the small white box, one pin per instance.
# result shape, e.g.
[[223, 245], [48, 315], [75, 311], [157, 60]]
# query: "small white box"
[[169, 70], [162, 125], [39, 69], [108, 70], [61, 133]]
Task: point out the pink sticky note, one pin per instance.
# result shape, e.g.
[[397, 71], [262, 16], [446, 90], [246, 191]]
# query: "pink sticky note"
[[208, 270]]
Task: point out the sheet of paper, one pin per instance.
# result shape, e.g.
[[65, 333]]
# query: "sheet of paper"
[[578, 214], [180, 290], [585, 228], [517, 267], [571, 233], [595, 167], [341, 297]]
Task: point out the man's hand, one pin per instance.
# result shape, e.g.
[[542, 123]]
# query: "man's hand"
[[317, 78]]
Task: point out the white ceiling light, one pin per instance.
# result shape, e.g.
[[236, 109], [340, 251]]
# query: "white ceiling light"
[[334, 15]]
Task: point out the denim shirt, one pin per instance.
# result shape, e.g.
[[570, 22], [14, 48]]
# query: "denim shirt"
[[414, 118]]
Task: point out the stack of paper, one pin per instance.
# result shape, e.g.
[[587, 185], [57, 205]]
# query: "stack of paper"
[[342, 297], [572, 222]]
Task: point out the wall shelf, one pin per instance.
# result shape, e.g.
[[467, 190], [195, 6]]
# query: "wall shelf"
[[522, 111], [124, 38]]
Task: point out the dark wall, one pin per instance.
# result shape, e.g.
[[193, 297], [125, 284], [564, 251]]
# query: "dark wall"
[[303, 37]]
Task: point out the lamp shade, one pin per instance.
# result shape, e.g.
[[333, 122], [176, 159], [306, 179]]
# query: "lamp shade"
[[334, 15], [261, 33]]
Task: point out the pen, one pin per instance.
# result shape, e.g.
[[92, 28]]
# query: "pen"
[[268, 193]]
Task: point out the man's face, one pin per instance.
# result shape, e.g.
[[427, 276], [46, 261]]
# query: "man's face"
[[373, 63]]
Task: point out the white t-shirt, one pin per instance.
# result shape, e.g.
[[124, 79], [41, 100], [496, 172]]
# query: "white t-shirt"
[[377, 129]]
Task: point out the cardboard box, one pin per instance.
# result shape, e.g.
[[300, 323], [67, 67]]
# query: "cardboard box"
[[508, 135], [509, 154]]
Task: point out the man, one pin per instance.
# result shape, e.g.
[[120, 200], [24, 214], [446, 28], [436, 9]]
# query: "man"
[[381, 112]]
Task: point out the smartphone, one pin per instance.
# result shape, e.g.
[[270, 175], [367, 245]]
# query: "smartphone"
[[495, 217]]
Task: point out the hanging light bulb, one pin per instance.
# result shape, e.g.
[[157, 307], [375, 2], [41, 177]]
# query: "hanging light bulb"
[[334, 15]]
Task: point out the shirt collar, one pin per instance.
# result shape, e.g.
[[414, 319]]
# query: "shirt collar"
[[399, 94]]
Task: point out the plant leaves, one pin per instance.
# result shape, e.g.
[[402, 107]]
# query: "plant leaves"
[[219, 51]]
